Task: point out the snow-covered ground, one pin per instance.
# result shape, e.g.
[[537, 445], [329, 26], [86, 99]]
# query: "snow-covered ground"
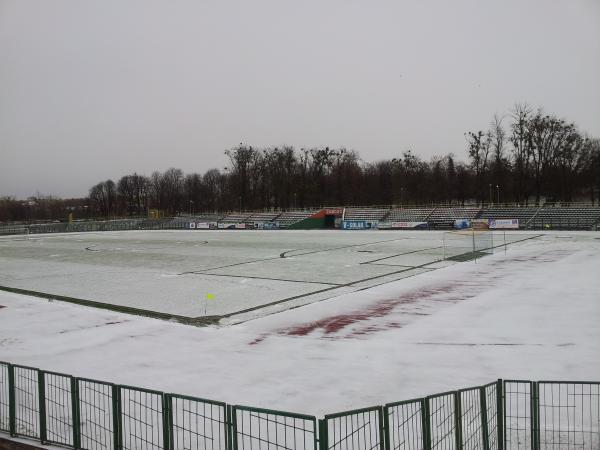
[[532, 313], [173, 271]]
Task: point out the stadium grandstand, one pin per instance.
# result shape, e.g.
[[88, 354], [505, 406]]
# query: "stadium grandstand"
[[368, 214], [546, 217], [443, 218], [407, 214]]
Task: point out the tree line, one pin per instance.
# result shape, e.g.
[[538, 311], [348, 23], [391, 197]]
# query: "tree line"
[[525, 156]]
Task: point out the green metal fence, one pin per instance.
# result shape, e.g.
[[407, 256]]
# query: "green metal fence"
[[27, 409], [97, 413], [265, 429], [5, 413], [81, 413], [197, 424], [359, 429], [143, 418], [406, 425]]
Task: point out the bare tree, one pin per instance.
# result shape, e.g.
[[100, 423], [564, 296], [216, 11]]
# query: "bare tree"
[[479, 144], [521, 149], [104, 197]]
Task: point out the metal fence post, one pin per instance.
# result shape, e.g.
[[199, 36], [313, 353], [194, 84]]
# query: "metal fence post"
[[169, 420], [535, 413], [425, 424], [228, 431], [500, 413], [116, 412], [166, 420], [485, 433], [234, 438], [75, 414], [323, 437], [383, 429], [386, 426], [41, 379], [458, 421], [11, 400]]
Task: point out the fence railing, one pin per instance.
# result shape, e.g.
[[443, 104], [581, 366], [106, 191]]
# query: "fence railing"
[[81, 413]]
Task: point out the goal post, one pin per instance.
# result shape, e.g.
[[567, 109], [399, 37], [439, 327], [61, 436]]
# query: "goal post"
[[467, 244], [15, 232]]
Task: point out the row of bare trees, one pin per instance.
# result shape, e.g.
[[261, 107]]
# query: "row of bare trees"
[[525, 156], [537, 155]]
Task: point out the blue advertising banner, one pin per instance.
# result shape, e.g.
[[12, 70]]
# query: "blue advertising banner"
[[461, 224], [355, 225]]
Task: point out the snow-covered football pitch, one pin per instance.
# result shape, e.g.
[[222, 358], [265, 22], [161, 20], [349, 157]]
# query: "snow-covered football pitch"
[[312, 321], [239, 274]]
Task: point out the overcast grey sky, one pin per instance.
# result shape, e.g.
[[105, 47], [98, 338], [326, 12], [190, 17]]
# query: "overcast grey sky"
[[95, 90]]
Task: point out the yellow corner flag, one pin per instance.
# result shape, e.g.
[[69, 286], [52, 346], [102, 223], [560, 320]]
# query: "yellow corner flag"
[[210, 297]]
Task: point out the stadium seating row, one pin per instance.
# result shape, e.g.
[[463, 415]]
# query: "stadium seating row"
[[441, 217]]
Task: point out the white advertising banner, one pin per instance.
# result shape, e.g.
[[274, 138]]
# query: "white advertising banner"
[[202, 226], [504, 224], [192, 225], [408, 224]]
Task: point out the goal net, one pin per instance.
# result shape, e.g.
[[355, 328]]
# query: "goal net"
[[468, 244], [15, 232]]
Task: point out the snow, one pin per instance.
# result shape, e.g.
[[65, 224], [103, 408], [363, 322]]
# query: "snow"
[[529, 313], [173, 271]]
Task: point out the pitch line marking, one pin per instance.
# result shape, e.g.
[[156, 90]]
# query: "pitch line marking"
[[401, 254], [283, 255], [329, 289], [422, 266], [267, 278], [287, 251]]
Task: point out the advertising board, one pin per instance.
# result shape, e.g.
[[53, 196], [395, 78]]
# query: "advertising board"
[[355, 225], [266, 225], [480, 224], [461, 224], [409, 225], [504, 224]]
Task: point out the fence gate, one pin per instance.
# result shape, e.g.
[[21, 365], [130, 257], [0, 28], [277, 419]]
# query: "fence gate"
[[197, 424], [568, 415], [472, 422], [492, 396], [27, 404], [98, 416], [265, 429], [359, 429], [59, 405], [518, 415], [444, 421], [142, 422], [406, 425]]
